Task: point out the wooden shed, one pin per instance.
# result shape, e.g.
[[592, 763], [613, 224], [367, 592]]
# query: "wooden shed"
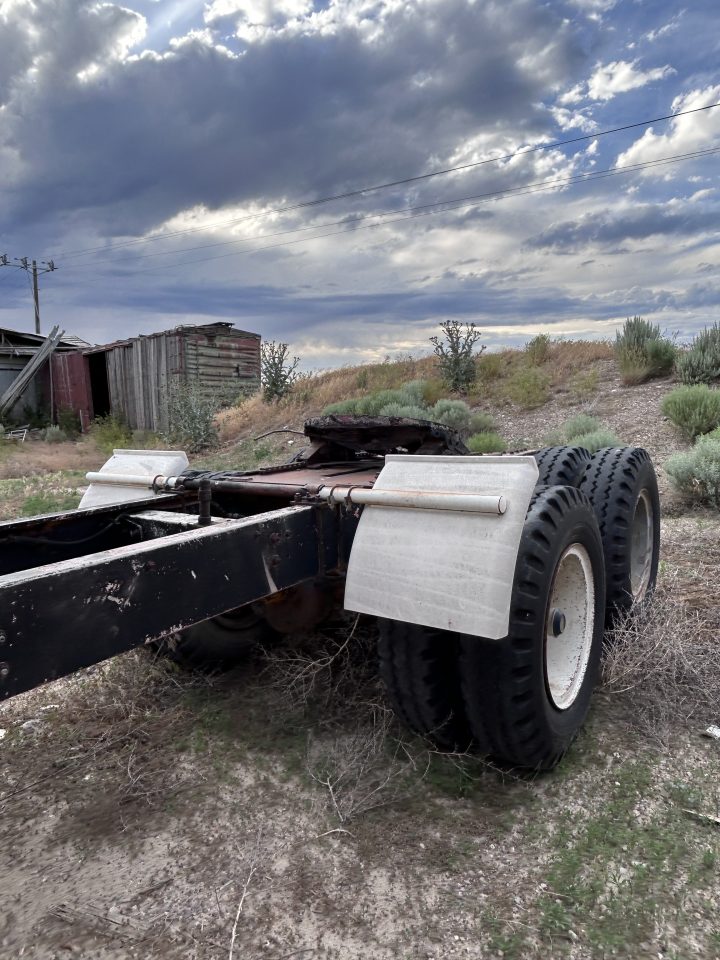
[[132, 379]]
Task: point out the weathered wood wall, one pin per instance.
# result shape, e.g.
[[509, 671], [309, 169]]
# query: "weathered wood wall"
[[222, 361]]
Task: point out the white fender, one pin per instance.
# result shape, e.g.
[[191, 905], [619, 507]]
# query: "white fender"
[[133, 465], [450, 569]]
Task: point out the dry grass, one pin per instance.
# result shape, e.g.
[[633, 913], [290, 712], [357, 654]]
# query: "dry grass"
[[37, 457], [663, 660], [312, 394]]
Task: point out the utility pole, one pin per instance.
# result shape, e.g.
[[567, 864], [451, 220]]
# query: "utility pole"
[[31, 268]]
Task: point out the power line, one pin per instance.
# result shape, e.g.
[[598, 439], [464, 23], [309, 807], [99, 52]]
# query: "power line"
[[72, 254], [428, 209]]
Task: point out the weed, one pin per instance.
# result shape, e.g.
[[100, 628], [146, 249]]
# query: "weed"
[[110, 432], [579, 425], [456, 354], [663, 658], [278, 371], [481, 422], [54, 434], [537, 350], [191, 415], [694, 410], [597, 440], [69, 422], [39, 503], [490, 366], [404, 410], [583, 385], [486, 443], [528, 387]]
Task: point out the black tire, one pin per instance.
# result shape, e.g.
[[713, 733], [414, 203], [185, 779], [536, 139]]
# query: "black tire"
[[513, 714], [561, 466], [219, 643], [419, 667], [621, 485]]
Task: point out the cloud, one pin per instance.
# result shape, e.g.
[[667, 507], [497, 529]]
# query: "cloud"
[[610, 228], [610, 79], [295, 116], [684, 134]]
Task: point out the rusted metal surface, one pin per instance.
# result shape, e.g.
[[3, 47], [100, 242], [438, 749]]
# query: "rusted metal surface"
[[71, 386], [385, 434]]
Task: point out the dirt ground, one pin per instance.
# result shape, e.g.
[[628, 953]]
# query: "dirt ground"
[[281, 812]]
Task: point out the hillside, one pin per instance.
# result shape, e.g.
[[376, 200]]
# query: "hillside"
[[152, 813]]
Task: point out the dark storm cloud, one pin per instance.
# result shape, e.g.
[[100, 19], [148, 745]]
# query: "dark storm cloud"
[[293, 116], [610, 229]]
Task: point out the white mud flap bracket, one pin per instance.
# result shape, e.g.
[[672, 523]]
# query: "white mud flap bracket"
[[448, 565]]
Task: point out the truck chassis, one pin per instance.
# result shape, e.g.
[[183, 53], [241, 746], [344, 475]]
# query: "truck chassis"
[[78, 588]]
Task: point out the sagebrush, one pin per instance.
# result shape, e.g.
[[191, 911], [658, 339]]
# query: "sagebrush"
[[642, 351], [693, 409], [696, 474], [701, 363]]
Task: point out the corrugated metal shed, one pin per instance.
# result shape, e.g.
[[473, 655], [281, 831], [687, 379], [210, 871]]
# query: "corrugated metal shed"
[[132, 378]]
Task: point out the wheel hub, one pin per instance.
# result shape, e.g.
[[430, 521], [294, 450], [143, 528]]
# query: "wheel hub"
[[569, 626]]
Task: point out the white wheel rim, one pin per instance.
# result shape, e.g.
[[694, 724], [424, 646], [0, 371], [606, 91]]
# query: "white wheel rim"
[[642, 538], [569, 626]]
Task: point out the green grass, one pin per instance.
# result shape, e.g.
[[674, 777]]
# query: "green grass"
[[39, 503]]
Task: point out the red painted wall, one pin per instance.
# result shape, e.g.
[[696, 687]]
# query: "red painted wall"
[[71, 386]]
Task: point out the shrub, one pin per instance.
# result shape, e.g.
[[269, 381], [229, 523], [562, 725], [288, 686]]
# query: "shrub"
[[453, 413], [642, 352], [528, 387], [579, 425], [455, 354], [376, 401], [405, 410], [341, 407], [361, 380], [191, 416], [597, 439], [694, 409], [415, 392], [538, 348], [486, 443], [54, 434], [701, 363], [481, 422], [490, 366], [146, 440], [696, 474], [277, 370], [69, 422], [434, 390], [110, 432]]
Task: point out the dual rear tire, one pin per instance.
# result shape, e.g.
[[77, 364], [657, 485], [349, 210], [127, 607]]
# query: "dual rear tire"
[[588, 552]]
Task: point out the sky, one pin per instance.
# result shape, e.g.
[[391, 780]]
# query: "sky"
[[168, 156]]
